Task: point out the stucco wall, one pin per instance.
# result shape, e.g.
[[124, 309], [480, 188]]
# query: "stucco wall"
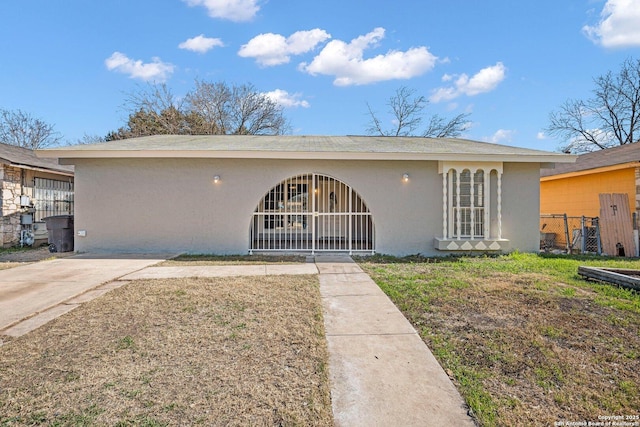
[[521, 206], [173, 205]]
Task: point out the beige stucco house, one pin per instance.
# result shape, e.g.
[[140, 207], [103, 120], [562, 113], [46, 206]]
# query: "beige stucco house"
[[31, 188], [246, 194]]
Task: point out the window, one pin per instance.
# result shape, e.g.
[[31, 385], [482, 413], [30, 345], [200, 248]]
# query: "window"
[[467, 209], [471, 206], [286, 198], [52, 197]]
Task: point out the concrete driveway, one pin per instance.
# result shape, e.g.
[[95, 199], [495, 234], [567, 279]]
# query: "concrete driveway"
[[35, 288]]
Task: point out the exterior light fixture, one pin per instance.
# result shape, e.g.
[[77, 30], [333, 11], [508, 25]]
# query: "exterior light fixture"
[[405, 177], [216, 179]]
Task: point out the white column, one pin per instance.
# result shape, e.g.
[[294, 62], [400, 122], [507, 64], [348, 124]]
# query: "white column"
[[499, 205], [487, 204], [444, 204], [472, 204], [458, 219]]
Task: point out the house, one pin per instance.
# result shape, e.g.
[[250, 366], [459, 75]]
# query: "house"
[[31, 188], [573, 188], [600, 186], [231, 194]]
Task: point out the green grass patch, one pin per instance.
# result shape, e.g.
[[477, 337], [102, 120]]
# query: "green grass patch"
[[526, 340]]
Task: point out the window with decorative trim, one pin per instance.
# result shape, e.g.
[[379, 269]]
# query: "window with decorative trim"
[[467, 203], [471, 206]]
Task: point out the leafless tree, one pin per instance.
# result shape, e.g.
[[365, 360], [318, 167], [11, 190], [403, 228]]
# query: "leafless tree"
[[240, 110], [209, 109], [153, 110], [90, 139], [407, 110], [610, 118], [22, 129]]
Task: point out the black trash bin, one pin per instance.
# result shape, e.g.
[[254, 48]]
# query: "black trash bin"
[[60, 233]]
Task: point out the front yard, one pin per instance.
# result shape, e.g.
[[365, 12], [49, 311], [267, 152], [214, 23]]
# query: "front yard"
[[526, 340], [212, 352]]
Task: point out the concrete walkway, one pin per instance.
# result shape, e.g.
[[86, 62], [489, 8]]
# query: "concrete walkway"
[[381, 372]]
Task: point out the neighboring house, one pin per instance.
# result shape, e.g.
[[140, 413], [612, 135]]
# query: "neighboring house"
[[574, 188], [31, 188], [595, 190], [246, 194]]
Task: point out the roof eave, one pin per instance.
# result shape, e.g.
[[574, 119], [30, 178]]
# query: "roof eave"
[[590, 171], [303, 155], [39, 168]]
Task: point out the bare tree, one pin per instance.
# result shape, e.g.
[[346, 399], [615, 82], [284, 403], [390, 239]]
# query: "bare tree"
[[90, 139], [407, 112], [209, 109], [153, 110], [610, 118], [240, 110], [22, 129]]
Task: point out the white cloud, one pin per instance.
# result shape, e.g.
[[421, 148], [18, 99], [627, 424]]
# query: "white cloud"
[[345, 61], [541, 135], [619, 25], [500, 136], [200, 44], [153, 71], [484, 81], [274, 49], [286, 99], [233, 10]]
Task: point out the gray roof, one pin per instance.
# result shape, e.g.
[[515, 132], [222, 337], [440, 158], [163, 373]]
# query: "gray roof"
[[305, 147], [23, 157], [627, 153]]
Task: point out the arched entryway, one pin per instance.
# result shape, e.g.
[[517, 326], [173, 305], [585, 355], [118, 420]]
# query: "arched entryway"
[[312, 213]]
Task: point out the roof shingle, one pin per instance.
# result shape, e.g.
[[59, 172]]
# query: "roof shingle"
[[597, 159], [320, 146], [24, 157]]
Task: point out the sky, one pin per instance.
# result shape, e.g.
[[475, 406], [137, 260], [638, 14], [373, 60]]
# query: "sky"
[[508, 64]]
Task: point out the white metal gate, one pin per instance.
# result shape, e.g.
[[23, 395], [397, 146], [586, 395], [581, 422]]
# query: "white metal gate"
[[312, 213]]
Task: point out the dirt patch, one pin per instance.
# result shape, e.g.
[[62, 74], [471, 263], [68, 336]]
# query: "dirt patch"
[[220, 351], [16, 257]]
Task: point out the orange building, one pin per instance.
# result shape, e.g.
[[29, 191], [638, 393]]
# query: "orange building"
[[574, 188]]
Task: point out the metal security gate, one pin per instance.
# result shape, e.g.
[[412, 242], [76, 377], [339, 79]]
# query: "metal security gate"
[[52, 197], [312, 213]]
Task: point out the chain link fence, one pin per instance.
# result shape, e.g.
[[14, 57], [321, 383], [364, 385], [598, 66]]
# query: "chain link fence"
[[560, 233]]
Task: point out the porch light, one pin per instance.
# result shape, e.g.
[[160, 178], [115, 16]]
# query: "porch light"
[[216, 179], [405, 177]]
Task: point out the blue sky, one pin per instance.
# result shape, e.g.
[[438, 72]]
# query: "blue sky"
[[507, 63]]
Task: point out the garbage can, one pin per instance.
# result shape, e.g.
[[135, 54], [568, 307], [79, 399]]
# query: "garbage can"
[[60, 233]]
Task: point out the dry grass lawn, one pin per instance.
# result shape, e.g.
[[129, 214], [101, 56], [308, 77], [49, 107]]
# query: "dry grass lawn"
[[526, 341], [214, 352]]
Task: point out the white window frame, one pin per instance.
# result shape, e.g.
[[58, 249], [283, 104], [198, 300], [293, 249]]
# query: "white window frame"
[[452, 223], [477, 206]]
